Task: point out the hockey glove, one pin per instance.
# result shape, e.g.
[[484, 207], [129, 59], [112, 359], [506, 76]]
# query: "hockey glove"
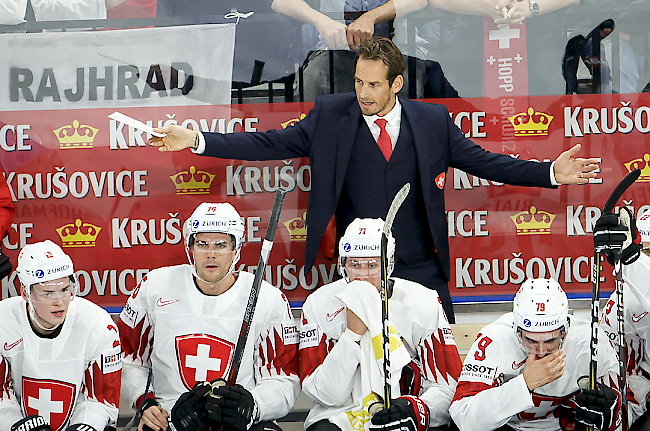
[[31, 423], [232, 405], [188, 413], [80, 427], [597, 408], [631, 249], [405, 413], [5, 265], [609, 234]]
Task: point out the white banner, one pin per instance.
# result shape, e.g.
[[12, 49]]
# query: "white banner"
[[170, 66]]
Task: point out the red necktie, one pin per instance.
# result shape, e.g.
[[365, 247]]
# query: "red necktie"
[[383, 141]]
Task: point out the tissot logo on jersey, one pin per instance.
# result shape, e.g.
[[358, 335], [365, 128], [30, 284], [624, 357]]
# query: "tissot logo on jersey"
[[479, 373], [129, 315], [112, 360], [308, 335]]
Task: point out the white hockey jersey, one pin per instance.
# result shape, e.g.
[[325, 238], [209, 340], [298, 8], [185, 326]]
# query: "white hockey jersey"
[[329, 360], [72, 378], [636, 303], [492, 391], [187, 337]]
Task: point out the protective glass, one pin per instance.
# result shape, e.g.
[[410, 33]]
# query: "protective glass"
[[541, 343], [362, 267], [219, 246], [53, 291]]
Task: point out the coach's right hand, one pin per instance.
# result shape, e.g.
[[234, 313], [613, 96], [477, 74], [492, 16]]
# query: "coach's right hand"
[[177, 138], [541, 371]]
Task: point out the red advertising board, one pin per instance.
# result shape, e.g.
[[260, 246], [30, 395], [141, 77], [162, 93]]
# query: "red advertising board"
[[117, 206]]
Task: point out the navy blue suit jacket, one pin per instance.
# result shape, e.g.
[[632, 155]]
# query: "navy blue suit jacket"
[[326, 137]]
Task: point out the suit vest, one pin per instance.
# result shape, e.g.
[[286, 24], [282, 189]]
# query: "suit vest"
[[371, 183]]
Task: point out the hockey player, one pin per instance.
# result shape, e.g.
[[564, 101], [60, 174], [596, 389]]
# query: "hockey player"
[[636, 302], [333, 352], [183, 322], [522, 371], [60, 363]]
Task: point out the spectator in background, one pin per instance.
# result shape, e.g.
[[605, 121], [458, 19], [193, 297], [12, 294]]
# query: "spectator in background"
[[6, 216]]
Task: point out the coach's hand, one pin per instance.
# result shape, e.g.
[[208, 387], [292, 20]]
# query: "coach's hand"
[[31, 423], [189, 413], [232, 405], [405, 413], [541, 371], [597, 408], [177, 138], [568, 170]]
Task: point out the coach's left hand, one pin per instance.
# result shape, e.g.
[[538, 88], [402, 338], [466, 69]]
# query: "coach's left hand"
[[569, 170]]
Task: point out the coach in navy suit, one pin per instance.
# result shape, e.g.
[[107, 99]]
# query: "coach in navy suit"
[[353, 178]]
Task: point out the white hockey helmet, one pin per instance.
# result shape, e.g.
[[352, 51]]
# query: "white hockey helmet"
[[643, 225], [220, 218], [362, 238], [540, 305], [42, 262]]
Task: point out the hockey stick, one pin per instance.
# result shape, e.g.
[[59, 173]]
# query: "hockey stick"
[[388, 224], [255, 290], [595, 292], [135, 420]]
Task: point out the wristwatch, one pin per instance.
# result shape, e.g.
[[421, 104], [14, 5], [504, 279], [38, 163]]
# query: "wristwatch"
[[534, 6]]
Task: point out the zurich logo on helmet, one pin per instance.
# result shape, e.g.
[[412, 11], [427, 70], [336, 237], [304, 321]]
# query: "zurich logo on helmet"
[[195, 224], [527, 323], [39, 273], [346, 246]]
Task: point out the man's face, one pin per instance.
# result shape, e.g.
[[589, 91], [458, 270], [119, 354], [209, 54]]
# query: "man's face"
[[364, 268], [51, 300], [374, 94], [213, 255], [541, 343]]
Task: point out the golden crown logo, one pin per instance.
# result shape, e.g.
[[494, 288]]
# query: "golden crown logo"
[[78, 234], [292, 121], [192, 182], [531, 123], [533, 222], [297, 228], [75, 136], [638, 164]]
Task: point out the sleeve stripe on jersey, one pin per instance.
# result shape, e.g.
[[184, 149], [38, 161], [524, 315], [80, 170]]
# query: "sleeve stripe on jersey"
[[312, 357], [469, 389], [104, 388], [276, 358], [5, 375]]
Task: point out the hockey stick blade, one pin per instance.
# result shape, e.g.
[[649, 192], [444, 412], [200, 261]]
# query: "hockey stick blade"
[[255, 288], [620, 189], [394, 206]]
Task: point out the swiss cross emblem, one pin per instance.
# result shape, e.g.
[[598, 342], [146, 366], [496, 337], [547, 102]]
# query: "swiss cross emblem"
[[49, 254], [440, 180], [543, 406], [51, 399], [202, 357]]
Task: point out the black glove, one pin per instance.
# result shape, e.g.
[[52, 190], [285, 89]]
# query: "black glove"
[[609, 234], [188, 413], [80, 427], [597, 408], [31, 423], [5, 265], [406, 412], [232, 405], [632, 244]]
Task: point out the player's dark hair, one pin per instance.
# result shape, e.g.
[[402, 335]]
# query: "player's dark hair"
[[380, 48]]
